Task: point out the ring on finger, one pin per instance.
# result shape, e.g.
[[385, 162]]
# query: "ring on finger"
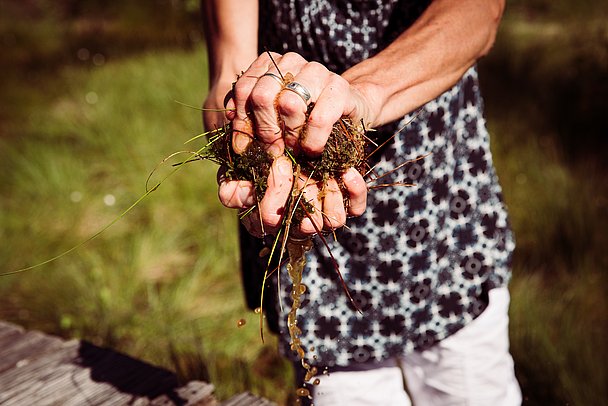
[[275, 77], [299, 90]]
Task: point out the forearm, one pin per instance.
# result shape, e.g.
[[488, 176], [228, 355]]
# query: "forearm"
[[427, 59], [231, 31]]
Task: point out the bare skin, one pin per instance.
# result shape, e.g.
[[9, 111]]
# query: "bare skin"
[[423, 62]]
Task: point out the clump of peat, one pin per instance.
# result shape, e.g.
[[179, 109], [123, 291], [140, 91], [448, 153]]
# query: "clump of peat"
[[345, 149]]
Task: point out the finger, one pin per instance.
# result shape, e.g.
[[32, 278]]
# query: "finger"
[[292, 107], [230, 107], [331, 105], [280, 181], [265, 99], [236, 194], [334, 214], [357, 191], [267, 127], [312, 206], [241, 124]]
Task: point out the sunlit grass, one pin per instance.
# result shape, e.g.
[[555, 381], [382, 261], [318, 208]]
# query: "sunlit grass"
[[549, 160], [163, 284], [557, 336], [558, 309]]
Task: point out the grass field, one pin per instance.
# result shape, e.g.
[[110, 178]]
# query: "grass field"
[[78, 142], [163, 283]]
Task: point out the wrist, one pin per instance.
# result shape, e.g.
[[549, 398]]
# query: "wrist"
[[369, 100], [226, 72], [225, 66]]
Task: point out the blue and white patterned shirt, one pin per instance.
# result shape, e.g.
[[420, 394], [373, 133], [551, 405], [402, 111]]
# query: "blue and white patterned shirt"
[[421, 260]]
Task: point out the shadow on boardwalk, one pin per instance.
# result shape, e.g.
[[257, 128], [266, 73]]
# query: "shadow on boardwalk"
[[36, 368]]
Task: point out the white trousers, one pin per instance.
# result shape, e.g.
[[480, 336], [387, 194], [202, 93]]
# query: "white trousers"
[[472, 367]]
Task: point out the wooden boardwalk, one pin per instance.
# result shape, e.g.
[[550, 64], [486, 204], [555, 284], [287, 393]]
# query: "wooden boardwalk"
[[38, 369]]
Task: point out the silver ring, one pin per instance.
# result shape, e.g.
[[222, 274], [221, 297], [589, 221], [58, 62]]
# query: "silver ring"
[[275, 77], [299, 90]]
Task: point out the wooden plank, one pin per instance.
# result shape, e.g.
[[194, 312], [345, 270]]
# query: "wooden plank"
[[71, 377], [109, 378], [43, 370], [9, 329], [196, 393], [82, 389], [19, 383], [24, 348], [125, 374], [66, 383], [37, 367], [247, 399], [54, 372]]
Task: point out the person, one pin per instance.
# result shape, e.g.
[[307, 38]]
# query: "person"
[[428, 265]]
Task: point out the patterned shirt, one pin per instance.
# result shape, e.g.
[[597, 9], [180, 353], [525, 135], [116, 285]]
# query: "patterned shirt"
[[420, 261]]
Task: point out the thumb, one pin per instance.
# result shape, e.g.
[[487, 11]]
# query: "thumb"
[[280, 182]]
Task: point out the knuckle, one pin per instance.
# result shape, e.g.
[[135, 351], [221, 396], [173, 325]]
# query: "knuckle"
[[293, 57], [321, 119], [338, 83], [316, 66], [260, 61], [357, 208], [357, 211], [318, 220], [340, 220], [359, 187], [312, 146], [268, 133], [290, 104], [262, 98], [241, 92], [354, 182]]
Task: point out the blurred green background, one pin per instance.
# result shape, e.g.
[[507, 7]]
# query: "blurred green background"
[[87, 110]]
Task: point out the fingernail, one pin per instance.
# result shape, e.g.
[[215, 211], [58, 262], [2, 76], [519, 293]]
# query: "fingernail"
[[241, 142], [284, 166], [275, 150]]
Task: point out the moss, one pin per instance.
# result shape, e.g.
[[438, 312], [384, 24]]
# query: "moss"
[[345, 149]]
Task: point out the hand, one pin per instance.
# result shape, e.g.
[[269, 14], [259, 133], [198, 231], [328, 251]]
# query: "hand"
[[261, 108], [278, 116]]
